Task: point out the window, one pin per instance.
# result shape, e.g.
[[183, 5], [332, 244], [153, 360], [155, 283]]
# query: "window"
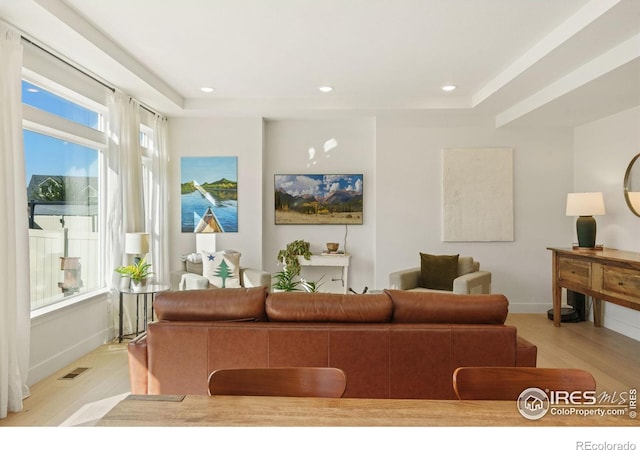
[[63, 142], [42, 99]]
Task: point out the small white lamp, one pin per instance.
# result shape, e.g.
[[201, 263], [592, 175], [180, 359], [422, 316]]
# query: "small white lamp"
[[585, 205], [136, 244]]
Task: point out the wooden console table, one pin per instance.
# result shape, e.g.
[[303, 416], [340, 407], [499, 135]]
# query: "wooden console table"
[[603, 274], [331, 260]]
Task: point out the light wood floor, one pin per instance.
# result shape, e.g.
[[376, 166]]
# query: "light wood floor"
[[612, 358]]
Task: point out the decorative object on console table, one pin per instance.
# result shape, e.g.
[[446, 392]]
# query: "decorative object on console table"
[[288, 256], [585, 205], [332, 247]]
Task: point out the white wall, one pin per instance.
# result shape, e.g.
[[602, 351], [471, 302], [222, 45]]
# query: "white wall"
[[603, 149], [409, 197], [220, 137], [62, 336], [298, 147]]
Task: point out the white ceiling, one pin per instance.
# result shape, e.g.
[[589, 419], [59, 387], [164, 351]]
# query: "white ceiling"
[[515, 62]]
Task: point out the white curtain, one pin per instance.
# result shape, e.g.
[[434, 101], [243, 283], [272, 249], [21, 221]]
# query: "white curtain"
[[123, 187], [14, 231], [157, 221]]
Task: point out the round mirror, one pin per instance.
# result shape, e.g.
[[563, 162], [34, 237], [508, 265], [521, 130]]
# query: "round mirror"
[[632, 185]]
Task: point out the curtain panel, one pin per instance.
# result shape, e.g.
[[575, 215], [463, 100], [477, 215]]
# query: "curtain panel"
[[124, 191], [157, 220], [14, 231]]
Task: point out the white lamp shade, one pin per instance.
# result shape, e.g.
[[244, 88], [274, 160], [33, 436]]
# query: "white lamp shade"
[[136, 243], [585, 204]]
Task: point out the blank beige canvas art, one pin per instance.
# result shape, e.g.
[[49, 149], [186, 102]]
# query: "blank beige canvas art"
[[477, 194]]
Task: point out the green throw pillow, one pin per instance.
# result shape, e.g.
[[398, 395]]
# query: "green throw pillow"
[[438, 271]]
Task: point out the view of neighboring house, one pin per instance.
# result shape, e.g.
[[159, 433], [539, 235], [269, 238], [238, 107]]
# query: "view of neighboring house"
[[57, 201]]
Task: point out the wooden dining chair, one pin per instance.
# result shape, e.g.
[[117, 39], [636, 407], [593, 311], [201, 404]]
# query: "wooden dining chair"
[[279, 381], [507, 383]]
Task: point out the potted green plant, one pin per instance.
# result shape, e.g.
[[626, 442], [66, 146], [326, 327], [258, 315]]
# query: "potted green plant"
[[311, 286], [285, 281], [138, 272], [288, 256]]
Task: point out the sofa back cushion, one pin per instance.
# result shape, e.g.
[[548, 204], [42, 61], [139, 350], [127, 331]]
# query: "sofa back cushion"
[[211, 304], [328, 307], [439, 307]]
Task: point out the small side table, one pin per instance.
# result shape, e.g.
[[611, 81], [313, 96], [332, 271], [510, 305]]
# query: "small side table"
[[146, 291], [331, 260]]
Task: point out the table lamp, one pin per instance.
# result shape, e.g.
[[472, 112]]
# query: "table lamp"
[[585, 205], [136, 244]]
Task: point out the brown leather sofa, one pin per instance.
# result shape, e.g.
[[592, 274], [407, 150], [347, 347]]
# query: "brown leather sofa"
[[394, 344]]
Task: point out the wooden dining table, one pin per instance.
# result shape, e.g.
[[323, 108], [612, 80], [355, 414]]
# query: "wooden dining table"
[[229, 411]]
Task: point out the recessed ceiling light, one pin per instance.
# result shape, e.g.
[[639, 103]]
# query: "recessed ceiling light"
[[207, 89], [448, 87], [325, 89]]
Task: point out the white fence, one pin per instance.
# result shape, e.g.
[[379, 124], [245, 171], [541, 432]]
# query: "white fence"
[[46, 247]]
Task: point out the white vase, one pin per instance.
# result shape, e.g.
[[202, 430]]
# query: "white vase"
[[138, 285]]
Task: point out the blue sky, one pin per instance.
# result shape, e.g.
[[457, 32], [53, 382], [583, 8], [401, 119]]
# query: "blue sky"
[[207, 169], [45, 155], [318, 185]]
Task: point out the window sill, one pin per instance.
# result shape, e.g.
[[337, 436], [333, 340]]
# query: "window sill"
[[80, 298]]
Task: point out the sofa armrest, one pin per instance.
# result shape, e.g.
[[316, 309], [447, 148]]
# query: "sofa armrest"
[[404, 279], [138, 364], [255, 278], [174, 279], [186, 281], [473, 283], [526, 353]]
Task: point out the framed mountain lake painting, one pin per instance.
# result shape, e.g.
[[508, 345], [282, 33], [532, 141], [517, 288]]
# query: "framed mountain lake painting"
[[318, 199], [209, 194]]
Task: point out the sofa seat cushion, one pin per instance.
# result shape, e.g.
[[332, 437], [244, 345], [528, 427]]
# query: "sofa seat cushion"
[[211, 304], [326, 307], [434, 307]]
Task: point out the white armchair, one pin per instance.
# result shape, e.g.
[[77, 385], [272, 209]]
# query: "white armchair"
[[470, 280], [190, 277]]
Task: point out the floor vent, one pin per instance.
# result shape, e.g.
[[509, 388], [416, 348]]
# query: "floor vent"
[[74, 373]]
